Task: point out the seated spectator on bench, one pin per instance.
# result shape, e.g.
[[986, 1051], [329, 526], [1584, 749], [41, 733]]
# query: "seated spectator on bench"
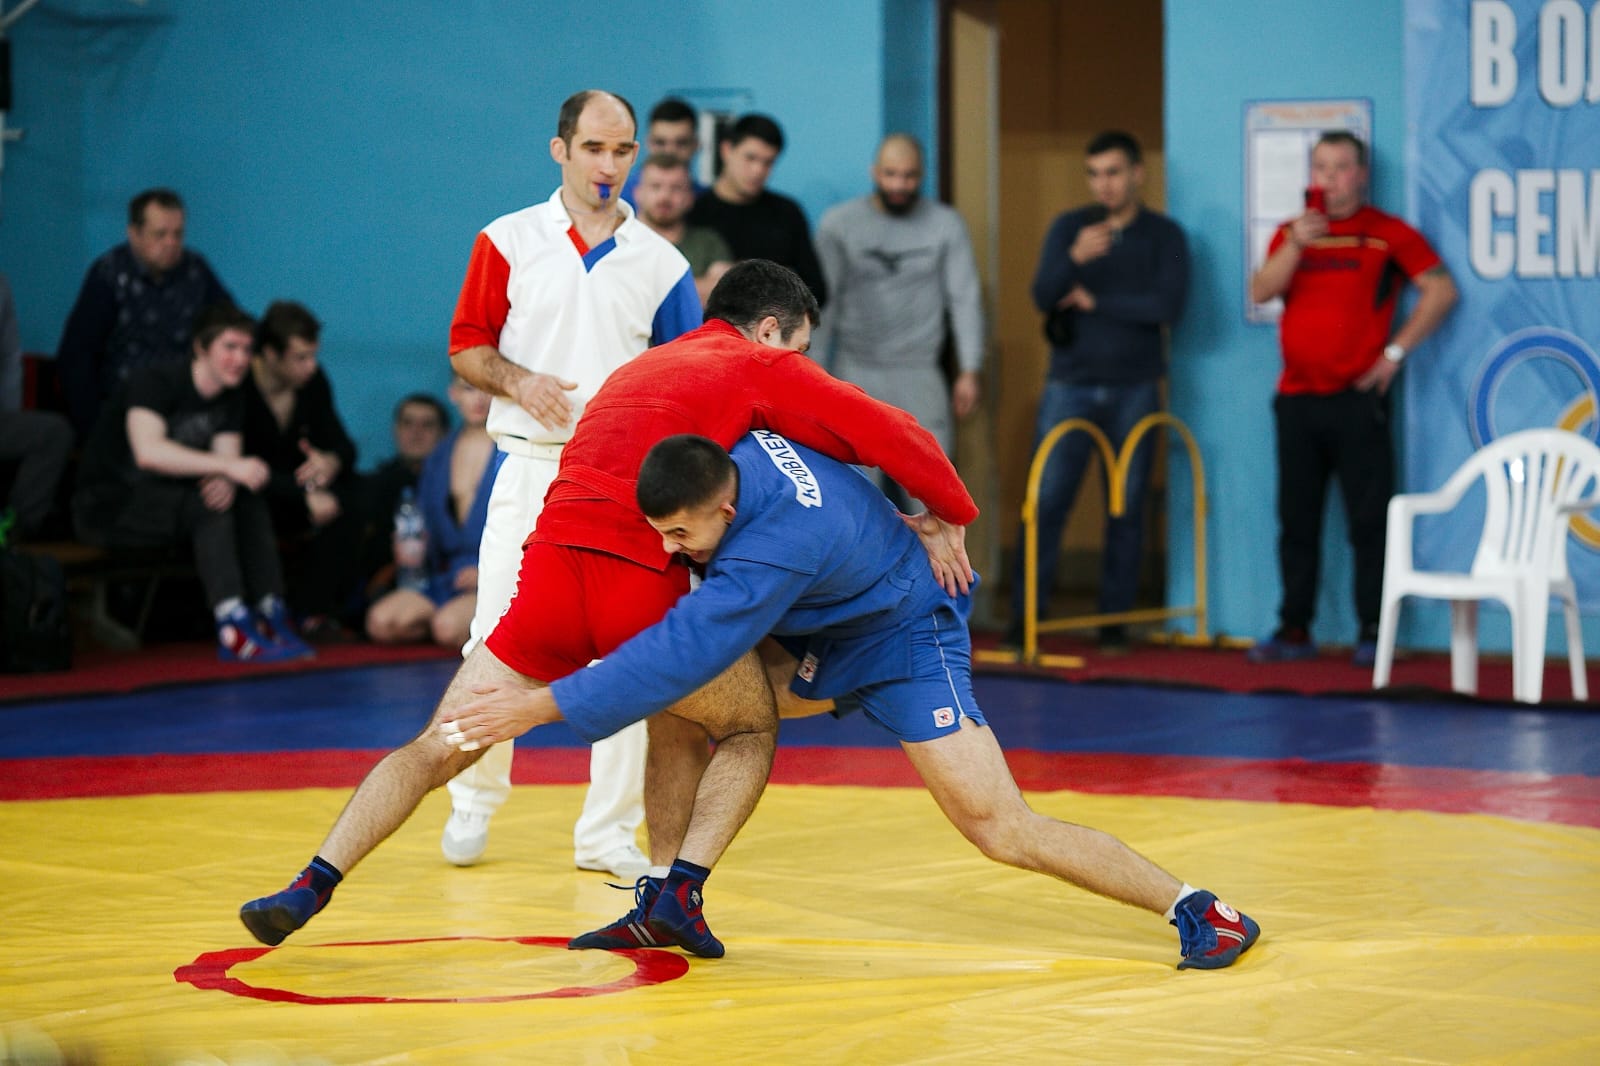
[[420, 423], [453, 494], [36, 442], [165, 465], [135, 306], [291, 422]]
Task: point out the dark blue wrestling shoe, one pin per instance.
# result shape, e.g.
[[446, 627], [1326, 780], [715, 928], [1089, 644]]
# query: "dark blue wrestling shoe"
[[1211, 934], [631, 930], [271, 918], [677, 918]]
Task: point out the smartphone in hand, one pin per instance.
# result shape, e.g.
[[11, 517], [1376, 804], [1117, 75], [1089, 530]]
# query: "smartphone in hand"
[[1316, 199]]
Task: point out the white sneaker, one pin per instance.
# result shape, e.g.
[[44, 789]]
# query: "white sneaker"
[[465, 837], [625, 863]]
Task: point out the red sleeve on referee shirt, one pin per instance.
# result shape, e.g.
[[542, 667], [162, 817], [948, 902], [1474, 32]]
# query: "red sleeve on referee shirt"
[[483, 306]]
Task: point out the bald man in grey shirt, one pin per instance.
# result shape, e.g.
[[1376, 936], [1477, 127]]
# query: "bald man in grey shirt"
[[895, 266]]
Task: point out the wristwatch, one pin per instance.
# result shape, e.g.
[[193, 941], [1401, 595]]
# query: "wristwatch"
[[1394, 353]]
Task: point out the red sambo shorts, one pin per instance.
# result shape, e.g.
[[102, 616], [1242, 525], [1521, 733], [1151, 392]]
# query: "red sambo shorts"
[[575, 605]]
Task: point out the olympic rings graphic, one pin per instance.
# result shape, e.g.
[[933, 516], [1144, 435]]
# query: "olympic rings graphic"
[[1581, 415]]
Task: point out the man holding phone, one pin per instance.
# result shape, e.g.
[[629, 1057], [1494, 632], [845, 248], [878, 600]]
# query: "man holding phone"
[[1340, 267], [1111, 277]]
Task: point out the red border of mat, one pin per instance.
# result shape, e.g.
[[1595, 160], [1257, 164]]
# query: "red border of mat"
[[1566, 799], [1422, 674], [98, 672]]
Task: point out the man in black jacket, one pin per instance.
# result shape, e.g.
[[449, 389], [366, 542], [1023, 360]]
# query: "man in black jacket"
[[291, 422]]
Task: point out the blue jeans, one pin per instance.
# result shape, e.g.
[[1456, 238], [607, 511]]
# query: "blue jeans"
[[1115, 409]]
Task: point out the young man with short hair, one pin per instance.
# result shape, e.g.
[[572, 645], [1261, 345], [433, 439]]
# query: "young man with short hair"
[[673, 128], [291, 421], [166, 465], [1112, 280], [756, 222]]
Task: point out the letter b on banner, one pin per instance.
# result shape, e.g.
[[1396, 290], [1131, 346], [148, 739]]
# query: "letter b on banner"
[[1494, 67]]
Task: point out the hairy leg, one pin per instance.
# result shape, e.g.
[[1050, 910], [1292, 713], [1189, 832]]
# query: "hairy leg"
[[967, 774], [736, 711], [394, 787], [674, 764]]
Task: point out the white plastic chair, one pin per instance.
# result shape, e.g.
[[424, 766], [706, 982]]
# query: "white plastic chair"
[[1536, 481]]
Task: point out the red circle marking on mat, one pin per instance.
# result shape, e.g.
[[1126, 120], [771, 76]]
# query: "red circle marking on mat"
[[210, 970]]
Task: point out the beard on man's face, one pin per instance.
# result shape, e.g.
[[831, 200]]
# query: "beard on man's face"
[[898, 203]]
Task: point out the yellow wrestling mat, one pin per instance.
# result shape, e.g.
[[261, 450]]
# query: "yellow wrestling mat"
[[860, 929]]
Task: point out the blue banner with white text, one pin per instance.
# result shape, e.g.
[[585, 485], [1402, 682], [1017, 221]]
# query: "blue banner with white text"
[[1503, 164]]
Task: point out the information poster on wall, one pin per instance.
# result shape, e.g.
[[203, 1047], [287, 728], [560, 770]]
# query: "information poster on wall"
[[1278, 138], [1503, 172]]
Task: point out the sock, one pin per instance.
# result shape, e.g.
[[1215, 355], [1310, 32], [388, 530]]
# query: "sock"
[[660, 873], [1183, 893], [688, 871], [322, 877], [227, 607]]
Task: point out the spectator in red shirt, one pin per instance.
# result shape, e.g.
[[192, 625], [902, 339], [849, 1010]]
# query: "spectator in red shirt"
[[1340, 271]]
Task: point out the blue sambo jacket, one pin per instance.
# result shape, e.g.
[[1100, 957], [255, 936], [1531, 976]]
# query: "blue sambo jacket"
[[815, 550]]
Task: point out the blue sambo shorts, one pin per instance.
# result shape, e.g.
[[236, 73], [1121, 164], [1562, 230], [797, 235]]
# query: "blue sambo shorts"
[[928, 704]]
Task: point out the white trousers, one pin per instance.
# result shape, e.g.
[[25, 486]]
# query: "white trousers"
[[613, 808]]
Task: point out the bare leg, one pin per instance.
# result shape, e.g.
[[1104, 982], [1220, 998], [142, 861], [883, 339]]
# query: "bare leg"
[[399, 617], [736, 711], [967, 774], [451, 626], [696, 802], [394, 787], [674, 764]]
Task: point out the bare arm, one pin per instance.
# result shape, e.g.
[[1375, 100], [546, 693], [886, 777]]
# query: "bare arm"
[[499, 711], [541, 395], [964, 394], [228, 445], [1272, 280], [158, 453], [1436, 295]]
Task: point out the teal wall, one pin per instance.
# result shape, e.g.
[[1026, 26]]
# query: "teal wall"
[[345, 154], [1218, 58]]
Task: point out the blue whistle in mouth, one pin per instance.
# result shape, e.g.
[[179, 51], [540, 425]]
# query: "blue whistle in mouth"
[[605, 190]]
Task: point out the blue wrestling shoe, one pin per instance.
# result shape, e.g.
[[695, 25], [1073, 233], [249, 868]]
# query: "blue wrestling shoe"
[[1211, 934], [677, 919], [271, 918], [632, 929], [240, 639], [278, 628]]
